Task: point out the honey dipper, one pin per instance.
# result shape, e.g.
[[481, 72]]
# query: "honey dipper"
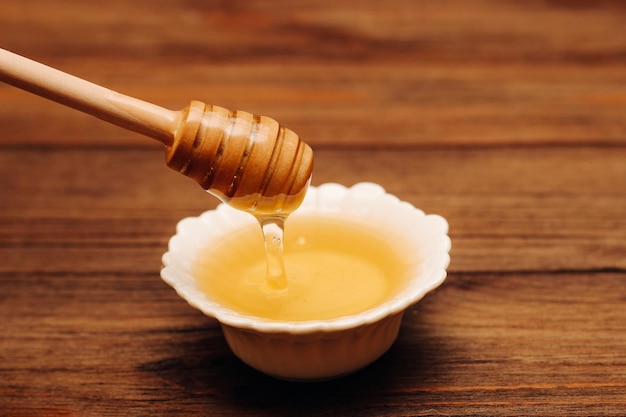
[[249, 161]]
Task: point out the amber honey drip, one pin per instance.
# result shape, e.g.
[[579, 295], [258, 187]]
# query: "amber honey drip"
[[222, 151]]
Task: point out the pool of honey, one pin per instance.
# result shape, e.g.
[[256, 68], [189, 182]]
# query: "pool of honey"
[[334, 267]]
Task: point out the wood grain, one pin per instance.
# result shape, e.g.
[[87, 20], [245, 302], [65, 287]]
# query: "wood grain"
[[557, 209], [507, 118], [429, 73]]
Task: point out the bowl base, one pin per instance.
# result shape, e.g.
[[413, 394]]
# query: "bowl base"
[[315, 356]]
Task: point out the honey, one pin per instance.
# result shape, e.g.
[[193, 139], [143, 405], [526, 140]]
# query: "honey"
[[334, 267], [271, 213]]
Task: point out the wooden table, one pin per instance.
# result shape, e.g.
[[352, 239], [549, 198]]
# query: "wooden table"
[[507, 118]]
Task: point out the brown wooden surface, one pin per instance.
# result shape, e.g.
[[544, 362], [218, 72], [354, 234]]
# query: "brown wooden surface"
[[508, 118]]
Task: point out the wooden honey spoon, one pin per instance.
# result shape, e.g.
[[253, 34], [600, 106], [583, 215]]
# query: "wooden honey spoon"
[[251, 162]]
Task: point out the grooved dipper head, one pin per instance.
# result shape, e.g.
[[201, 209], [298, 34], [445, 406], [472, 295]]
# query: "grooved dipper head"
[[248, 161]]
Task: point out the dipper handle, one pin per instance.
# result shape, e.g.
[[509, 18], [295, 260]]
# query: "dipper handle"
[[127, 112], [249, 161]]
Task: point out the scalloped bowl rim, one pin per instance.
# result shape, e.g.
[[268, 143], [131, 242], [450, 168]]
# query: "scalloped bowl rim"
[[336, 201]]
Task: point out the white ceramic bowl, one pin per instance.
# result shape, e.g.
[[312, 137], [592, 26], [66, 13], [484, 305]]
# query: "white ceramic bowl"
[[317, 349]]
